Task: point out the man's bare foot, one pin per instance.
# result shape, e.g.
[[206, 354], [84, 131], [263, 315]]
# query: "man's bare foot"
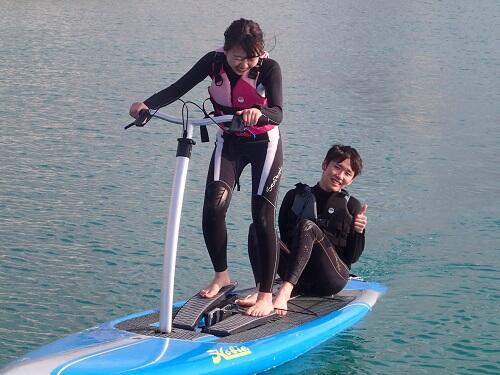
[[281, 299], [281, 305], [220, 280], [263, 305], [248, 301]]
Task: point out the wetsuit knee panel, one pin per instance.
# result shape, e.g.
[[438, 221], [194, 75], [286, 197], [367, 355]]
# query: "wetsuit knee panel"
[[304, 225], [217, 196]]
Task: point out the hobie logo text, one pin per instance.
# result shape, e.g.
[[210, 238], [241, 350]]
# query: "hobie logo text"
[[230, 353]]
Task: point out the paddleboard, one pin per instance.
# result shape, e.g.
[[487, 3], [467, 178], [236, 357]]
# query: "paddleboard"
[[134, 345]]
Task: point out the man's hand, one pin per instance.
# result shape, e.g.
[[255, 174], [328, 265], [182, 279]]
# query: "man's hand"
[[360, 220]]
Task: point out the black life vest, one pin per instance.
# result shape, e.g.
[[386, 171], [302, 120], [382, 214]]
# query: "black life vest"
[[334, 217]]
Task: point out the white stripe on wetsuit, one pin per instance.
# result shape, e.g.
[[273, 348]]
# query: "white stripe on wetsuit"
[[274, 136], [218, 154]]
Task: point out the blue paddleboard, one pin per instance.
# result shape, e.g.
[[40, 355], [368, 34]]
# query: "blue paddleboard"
[[134, 345]]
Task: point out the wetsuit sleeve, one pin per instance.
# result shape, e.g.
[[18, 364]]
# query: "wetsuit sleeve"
[[355, 241], [272, 112], [286, 223], [195, 75]]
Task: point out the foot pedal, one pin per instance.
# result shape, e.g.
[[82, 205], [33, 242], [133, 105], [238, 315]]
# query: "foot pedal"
[[219, 314], [237, 323], [192, 311]]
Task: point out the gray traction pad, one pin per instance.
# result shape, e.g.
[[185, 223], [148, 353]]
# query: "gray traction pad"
[[143, 325], [301, 310]]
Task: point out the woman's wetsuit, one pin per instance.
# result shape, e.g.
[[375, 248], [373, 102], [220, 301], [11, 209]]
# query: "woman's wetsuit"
[[314, 264], [231, 154]]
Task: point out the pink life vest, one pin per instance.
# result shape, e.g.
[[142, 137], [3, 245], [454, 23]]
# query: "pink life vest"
[[243, 95]]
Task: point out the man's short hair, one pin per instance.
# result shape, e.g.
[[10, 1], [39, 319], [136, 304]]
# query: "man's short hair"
[[338, 153]]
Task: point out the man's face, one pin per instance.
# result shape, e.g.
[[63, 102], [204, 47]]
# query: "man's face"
[[336, 175]]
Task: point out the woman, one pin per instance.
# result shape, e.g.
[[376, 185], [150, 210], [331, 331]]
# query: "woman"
[[247, 83]]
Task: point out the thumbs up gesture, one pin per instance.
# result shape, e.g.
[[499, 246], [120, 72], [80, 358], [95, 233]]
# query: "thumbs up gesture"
[[360, 220]]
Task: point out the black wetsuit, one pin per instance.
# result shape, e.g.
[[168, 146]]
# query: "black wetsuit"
[[232, 153], [314, 265]]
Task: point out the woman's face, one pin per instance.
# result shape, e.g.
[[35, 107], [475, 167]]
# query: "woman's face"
[[239, 61]]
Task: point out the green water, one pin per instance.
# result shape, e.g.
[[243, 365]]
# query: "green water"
[[414, 85]]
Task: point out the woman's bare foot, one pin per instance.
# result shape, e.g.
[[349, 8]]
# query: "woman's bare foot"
[[248, 301], [281, 299], [220, 280], [263, 305]]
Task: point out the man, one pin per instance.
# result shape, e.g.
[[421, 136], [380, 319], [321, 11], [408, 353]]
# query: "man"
[[324, 229]]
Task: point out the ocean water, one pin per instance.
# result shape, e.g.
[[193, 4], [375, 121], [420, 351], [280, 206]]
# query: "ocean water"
[[413, 85]]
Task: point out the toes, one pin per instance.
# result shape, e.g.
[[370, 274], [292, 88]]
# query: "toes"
[[245, 302], [258, 312], [280, 312], [209, 292]]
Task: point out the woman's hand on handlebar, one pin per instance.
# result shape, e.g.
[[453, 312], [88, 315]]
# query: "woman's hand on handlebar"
[[249, 116], [136, 108]]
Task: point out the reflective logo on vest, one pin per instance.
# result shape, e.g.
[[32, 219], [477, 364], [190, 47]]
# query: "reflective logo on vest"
[[331, 210]]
